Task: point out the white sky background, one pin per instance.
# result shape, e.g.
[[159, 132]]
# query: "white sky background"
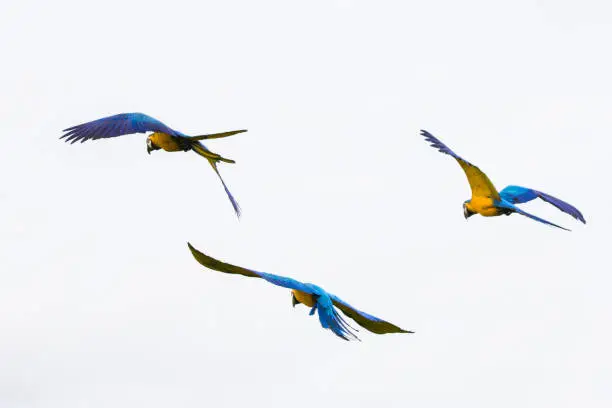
[[101, 303]]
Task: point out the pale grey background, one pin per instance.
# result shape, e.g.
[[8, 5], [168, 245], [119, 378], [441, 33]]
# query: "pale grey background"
[[101, 304]]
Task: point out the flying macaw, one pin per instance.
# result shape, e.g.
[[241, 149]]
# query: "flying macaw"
[[487, 202], [312, 296], [162, 137]]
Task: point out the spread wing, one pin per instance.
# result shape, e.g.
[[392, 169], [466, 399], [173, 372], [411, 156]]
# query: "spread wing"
[[328, 315], [479, 182], [278, 280], [367, 321], [116, 125], [519, 195]]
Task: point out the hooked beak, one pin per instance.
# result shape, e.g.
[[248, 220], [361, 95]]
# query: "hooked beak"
[[148, 150], [294, 301], [466, 212]]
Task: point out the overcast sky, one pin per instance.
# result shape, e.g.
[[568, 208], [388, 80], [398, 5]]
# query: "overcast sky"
[[102, 305]]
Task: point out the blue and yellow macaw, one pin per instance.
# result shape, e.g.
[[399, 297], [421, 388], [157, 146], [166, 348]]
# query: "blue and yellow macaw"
[[487, 202], [312, 296], [162, 137]]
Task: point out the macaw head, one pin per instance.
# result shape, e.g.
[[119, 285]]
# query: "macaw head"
[[467, 211], [294, 300], [151, 146]]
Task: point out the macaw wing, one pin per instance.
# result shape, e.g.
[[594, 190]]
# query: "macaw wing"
[[367, 321], [505, 204], [220, 266], [519, 195], [214, 264], [116, 125], [480, 184]]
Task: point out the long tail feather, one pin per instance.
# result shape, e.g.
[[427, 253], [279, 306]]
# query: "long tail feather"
[[517, 210], [237, 209], [212, 159], [542, 220]]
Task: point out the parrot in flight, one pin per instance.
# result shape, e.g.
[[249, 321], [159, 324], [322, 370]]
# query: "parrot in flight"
[[312, 296], [162, 137], [488, 202]]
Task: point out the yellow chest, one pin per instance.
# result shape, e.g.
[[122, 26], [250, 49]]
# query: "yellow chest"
[[305, 298], [484, 206], [166, 142]]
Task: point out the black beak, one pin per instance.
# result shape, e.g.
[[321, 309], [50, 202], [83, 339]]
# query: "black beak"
[[150, 146], [467, 213], [294, 301]]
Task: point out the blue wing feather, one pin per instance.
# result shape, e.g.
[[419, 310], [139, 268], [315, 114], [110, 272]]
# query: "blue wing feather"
[[117, 125], [519, 195]]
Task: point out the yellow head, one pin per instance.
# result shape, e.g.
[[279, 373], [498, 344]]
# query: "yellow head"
[[468, 210], [150, 145]]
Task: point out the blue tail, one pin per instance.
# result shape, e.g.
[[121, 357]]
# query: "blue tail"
[[213, 158], [237, 209], [507, 205], [331, 319]]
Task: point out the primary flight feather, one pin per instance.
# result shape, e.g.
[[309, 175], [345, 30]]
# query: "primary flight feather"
[[487, 201], [312, 296], [162, 137]]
